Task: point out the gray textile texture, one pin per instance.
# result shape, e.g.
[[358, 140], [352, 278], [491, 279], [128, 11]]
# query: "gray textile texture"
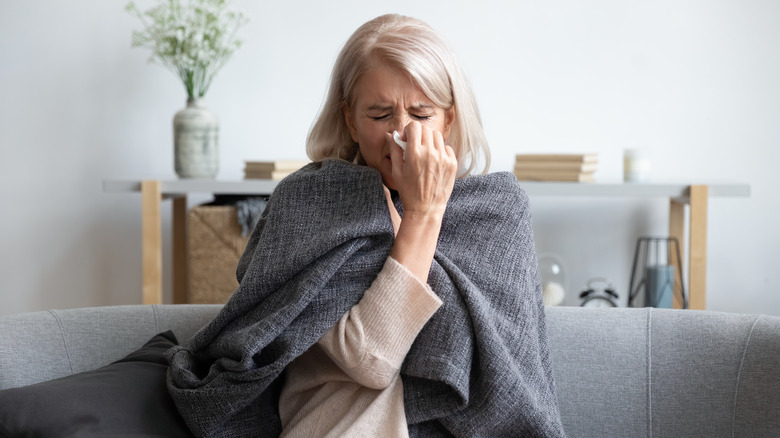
[[666, 373], [479, 368], [40, 346], [618, 372], [248, 211]]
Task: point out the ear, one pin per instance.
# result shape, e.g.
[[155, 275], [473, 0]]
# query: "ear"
[[350, 122], [449, 119]]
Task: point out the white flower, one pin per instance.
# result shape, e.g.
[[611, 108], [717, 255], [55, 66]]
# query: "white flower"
[[193, 38]]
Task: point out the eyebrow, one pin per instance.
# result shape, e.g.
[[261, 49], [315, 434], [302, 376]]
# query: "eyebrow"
[[386, 107], [380, 107]]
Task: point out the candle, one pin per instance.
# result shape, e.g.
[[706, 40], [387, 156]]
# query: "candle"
[[659, 286], [636, 165]]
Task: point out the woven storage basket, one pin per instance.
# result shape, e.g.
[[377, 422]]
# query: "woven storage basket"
[[214, 246]]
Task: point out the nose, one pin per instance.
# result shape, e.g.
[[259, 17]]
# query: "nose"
[[399, 123]]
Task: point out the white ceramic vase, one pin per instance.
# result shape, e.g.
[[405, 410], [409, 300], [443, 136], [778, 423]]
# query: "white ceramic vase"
[[195, 140]]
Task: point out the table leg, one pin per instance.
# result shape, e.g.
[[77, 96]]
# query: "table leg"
[[697, 247], [151, 252], [677, 230], [180, 250]]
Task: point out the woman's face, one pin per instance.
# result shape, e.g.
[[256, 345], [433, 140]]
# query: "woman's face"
[[386, 100]]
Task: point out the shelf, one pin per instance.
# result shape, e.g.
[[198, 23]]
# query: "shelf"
[[693, 196], [533, 188], [183, 187], [633, 190]]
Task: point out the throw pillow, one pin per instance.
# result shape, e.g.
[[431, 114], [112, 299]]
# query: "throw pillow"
[[126, 398]]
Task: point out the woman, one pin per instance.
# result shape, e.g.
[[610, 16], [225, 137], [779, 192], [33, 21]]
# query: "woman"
[[372, 96], [382, 296]]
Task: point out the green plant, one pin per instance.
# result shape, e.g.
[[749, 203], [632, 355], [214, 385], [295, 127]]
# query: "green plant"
[[193, 38]]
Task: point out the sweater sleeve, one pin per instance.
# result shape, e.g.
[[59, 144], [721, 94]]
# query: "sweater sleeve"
[[369, 343]]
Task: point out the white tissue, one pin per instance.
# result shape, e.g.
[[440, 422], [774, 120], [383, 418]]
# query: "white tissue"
[[397, 138]]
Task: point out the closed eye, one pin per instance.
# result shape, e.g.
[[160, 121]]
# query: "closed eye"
[[383, 117]]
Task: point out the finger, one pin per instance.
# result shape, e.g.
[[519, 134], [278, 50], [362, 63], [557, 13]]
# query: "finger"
[[450, 152], [413, 134], [396, 158], [452, 158], [428, 140], [438, 143]]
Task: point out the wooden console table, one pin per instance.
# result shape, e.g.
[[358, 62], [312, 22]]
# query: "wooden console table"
[[153, 192], [694, 196]]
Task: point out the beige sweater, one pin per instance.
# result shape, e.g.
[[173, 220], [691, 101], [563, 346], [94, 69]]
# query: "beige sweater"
[[348, 383]]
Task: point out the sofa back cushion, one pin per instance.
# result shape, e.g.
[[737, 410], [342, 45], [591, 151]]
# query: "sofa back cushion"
[[663, 372], [126, 398], [40, 346]]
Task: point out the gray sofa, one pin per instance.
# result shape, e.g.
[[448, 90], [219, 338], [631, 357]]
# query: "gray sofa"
[[619, 372]]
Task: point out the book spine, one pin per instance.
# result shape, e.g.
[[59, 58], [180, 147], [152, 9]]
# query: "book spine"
[[576, 158], [555, 166]]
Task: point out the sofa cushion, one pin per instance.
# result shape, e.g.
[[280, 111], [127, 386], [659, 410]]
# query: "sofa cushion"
[[126, 398]]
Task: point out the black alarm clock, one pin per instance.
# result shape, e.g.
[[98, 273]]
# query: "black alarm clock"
[[599, 293]]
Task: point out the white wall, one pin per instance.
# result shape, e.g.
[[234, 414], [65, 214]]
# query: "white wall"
[[696, 82]]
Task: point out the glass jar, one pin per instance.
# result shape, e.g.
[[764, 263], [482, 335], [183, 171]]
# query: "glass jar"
[[553, 277]]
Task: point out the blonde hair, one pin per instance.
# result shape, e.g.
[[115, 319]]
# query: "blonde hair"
[[414, 47]]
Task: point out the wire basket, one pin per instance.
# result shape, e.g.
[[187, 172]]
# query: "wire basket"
[[655, 276]]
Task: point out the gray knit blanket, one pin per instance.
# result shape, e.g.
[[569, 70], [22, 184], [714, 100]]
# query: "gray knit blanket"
[[479, 368]]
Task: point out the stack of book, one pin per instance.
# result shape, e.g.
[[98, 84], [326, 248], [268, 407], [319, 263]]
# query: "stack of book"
[[556, 167], [275, 170]]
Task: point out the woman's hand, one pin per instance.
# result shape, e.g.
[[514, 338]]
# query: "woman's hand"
[[424, 176]]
